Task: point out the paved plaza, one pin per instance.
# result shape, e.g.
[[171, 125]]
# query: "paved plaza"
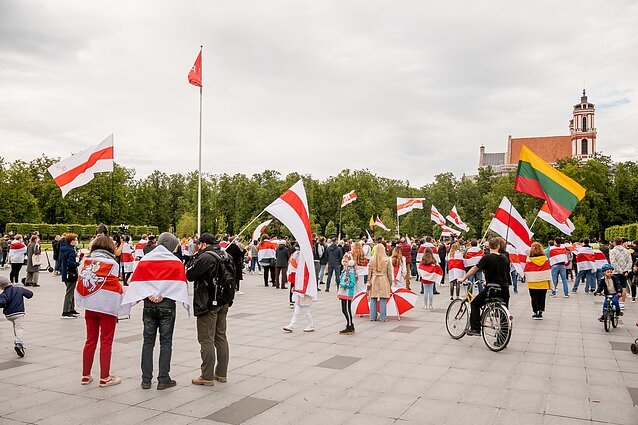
[[562, 370]]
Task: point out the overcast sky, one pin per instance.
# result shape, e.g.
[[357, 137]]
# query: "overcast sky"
[[406, 89]]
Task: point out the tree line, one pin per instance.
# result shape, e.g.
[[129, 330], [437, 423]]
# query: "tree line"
[[230, 202]]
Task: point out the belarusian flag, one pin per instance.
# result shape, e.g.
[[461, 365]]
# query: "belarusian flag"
[[348, 198], [509, 224], [405, 205], [378, 222], [436, 216], [567, 227]]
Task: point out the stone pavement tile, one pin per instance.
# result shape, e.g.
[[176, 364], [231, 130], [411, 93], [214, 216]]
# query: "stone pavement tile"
[[428, 411], [242, 410], [630, 379], [604, 364], [37, 412], [614, 412], [203, 406], [338, 362], [368, 364], [23, 398], [92, 412], [11, 364], [323, 416], [560, 387], [345, 379], [447, 391], [633, 393], [283, 390], [362, 418], [24, 368], [525, 401], [281, 414], [249, 386], [168, 419], [283, 370], [316, 396], [35, 376], [628, 365], [461, 376], [575, 375], [509, 417], [483, 396], [390, 404], [598, 393], [379, 381], [601, 377], [413, 386], [562, 360], [572, 407], [620, 345], [529, 383], [353, 400], [535, 369]]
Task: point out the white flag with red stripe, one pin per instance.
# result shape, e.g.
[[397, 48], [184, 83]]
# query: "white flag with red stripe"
[[378, 222], [80, 168], [405, 205], [517, 259], [158, 273], [455, 219], [348, 198], [430, 273], [436, 216], [291, 209], [586, 258], [509, 224], [566, 227], [448, 231], [259, 230]]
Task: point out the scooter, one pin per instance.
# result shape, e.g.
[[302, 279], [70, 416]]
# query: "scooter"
[[49, 268]]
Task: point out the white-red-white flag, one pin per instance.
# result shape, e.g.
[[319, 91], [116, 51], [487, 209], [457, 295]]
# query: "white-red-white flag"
[[517, 259], [348, 198], [291, 209], [158, 273], [566, 227], [455, 219], [378, 222], [436, 216], [259, 230], [509, 224], [448, 231], [80, 168], [405, 205]]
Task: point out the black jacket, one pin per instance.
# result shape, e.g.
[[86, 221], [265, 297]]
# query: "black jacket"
[[335, 255], [67, 260], [56, 249], [282, 255], [602, 286], [202, 267]]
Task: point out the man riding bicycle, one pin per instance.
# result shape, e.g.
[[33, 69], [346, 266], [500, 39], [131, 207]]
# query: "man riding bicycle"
[[495, 267]]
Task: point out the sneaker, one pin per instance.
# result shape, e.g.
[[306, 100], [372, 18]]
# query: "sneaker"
[[75, 313], [473, 332], [239, 293], [553, 294], [146, 385], [343, 331], [220, 378], [110, 381], [86, 380], [35, 285], [68, 316], [633, 300], [622, 306], [291, 305], [574, 291], [201, 381], [601, 319], [287, 328], [319, 289], [535, 316], [309, 329], [166, 384], [19, 349], [566, 295], [425, 307], [621, 313]]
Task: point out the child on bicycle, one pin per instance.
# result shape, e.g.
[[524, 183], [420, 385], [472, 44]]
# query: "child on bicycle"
[[609, 285]]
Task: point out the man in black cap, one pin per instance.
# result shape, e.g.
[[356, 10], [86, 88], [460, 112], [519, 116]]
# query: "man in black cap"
[[211, 319]]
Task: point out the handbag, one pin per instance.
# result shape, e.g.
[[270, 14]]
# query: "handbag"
[[71, 276], [36, 260]]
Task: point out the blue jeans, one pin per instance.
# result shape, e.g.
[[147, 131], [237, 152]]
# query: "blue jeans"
[[478, 278], [162, 319], [614, 301], [514, 280], [559, 270], [381, 303], [337, 271], [253, 262], [322, 272], [590, 284], [428, 293]]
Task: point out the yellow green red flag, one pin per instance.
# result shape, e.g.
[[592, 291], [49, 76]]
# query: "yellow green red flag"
[[539, 179]]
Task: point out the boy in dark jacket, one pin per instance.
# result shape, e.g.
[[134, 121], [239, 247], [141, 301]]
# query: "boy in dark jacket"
[[12, 300], [609, 285]]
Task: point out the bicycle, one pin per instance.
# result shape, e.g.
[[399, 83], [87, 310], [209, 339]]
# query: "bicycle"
[[610, 316], [496, 320]]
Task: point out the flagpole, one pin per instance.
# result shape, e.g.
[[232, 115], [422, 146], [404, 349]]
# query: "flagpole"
[[112, 183], [246, 227], [535, 218], [509, 217], [340, 208], [199, 173], [398, 233]]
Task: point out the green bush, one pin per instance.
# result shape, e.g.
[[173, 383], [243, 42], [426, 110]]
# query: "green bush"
[[627, 231]]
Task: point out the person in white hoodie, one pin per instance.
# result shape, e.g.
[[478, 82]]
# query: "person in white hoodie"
[[17, 253]]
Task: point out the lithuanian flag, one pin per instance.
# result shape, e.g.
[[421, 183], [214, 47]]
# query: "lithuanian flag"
[[539, 179]]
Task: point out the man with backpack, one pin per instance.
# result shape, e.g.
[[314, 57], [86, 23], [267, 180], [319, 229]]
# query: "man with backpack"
[[213, 274]]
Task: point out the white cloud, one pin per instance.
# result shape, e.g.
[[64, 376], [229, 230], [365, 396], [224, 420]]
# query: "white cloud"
[[407, 89]]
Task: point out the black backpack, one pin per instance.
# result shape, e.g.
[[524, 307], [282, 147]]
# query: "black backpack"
[[222, 287]]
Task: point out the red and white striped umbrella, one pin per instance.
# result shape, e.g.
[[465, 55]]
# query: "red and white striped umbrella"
[[401, 300], [360, 304]]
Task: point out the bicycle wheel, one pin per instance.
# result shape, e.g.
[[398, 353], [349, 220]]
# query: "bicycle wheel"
[[614, 319], [496, 326], [607, 321], [457, 318]]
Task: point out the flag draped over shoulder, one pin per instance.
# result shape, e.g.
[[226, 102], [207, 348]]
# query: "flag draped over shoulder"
[[259, 230], [567, 227], [158, 273], [436, 216], [509, 224], [405, 205], [430, 273], [195, 74], [98, 287], [455, 219], [80, 168], [539, 179], [348, 198], [291, 209]]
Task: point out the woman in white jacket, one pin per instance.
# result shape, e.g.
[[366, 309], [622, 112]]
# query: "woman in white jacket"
[[17, 253], [399, 268]]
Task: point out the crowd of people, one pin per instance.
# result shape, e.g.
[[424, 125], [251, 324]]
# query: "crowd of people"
[[114, 274]]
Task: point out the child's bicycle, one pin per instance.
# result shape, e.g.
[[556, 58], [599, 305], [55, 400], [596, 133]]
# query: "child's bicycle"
[[496, 320], [610, 316]]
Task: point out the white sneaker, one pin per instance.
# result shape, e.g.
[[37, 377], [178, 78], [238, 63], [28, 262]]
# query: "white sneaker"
[[622, 306], [288, 328], [239, 293], [309, 329], [261, 273], [633, 300]]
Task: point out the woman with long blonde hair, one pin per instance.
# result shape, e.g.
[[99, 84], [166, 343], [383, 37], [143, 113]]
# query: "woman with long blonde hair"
[[399, 269], [379, 282], [361, 263]]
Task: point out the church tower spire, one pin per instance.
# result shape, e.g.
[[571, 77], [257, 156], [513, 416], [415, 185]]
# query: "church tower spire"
[[582, 129]]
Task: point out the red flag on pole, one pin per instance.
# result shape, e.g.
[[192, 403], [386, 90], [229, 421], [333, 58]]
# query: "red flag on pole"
[[195, 74]]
